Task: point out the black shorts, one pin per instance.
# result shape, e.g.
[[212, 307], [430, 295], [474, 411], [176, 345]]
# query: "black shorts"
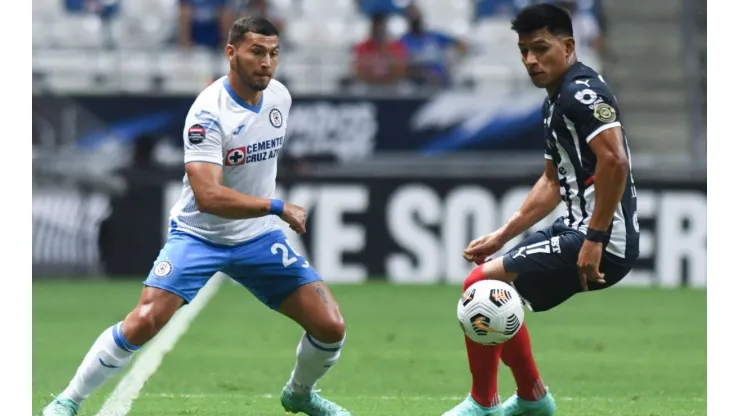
[[547, 266]]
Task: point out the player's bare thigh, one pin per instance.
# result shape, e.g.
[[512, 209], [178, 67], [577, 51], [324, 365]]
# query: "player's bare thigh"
[[314, 308], [494, 269], [155, 308]]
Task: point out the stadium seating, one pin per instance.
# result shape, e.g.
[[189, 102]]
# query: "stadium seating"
[[81, 51]]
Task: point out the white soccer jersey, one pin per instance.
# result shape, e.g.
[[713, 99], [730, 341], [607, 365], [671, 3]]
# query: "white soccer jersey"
[[221, 128]]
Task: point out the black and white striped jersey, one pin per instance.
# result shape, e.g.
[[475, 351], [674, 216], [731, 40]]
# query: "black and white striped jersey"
[[583, 107]]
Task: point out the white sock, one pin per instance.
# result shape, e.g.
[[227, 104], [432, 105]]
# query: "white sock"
[[108, 355], [314, 359]]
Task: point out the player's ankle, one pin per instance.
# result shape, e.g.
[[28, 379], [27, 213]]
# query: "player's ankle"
[[485, 401]]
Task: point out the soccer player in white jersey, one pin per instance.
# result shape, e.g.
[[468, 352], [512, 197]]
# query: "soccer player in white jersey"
[[227, 221]]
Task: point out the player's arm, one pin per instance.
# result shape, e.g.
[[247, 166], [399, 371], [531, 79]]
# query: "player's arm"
[[592, 108], [542, 199], [610, 176], [203, 157], [213, 198]]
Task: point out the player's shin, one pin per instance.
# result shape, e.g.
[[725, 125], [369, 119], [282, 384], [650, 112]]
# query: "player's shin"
[[108, 355], [313, 359], [483, 361], [517, 355]]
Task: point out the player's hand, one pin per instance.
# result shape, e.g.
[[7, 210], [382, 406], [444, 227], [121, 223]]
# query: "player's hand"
[[295, 216], [482, 247], [589, 260]]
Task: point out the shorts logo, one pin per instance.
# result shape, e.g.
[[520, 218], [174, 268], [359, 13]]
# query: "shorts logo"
[[541, 247], [196, 134], [235, 156], [163, 269], [555, 243], [276, 118]]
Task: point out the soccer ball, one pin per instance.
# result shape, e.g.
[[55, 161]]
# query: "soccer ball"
[[490, 312]]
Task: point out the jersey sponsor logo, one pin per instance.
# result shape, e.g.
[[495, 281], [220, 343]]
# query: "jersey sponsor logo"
[[276, 118], [163, 269], [635, 223], [196, 134], [235, 156], [587, 96], [605, 113]]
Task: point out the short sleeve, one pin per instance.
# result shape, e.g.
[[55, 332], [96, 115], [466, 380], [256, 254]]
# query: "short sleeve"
[[203, 137], [590, 107]]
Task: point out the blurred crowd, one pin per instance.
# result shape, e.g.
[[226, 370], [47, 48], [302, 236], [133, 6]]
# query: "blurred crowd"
[[421, 55]]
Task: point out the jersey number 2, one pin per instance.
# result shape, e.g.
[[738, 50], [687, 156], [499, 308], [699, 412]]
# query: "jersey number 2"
[[287, 258]]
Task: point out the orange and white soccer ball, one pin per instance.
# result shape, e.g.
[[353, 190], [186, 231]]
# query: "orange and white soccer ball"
[[490, 312]]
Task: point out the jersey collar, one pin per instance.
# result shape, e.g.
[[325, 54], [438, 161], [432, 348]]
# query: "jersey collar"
[[232, 94]]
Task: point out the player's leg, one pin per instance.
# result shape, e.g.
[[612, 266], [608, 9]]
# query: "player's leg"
[[516, 352], [174, 280], [283, 280], [483, 361]]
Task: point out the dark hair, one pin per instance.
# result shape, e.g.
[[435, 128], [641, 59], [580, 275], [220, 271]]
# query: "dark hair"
[[538, 16], [244, 25]]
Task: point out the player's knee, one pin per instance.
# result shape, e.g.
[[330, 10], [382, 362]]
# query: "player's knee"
[[143, 324], [475, 276], [330, 331]]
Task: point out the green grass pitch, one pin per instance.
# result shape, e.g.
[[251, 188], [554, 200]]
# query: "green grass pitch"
[[623, 351]]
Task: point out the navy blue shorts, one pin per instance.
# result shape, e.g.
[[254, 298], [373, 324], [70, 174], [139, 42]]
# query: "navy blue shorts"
[[267, 266], [547, 266]]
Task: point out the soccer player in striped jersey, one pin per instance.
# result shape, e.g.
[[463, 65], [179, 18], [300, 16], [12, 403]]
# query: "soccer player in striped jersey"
[[228, 220], [592, 246]]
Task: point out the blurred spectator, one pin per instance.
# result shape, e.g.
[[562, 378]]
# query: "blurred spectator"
[[386, 7], [379, 60], [204, 23], [586, 30], [262, 8], [428, 51], [103, 8], [496, 8]]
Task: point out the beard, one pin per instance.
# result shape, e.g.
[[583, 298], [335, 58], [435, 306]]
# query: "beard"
[[247, 80]]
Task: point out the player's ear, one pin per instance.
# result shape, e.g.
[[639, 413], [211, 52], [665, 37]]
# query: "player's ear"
[[570, 46], [230, 51]]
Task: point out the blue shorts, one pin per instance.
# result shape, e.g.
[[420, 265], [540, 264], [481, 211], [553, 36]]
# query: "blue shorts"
[[267, 266]]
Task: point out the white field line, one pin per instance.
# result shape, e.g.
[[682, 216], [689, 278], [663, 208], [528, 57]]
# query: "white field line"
[[123, 396]]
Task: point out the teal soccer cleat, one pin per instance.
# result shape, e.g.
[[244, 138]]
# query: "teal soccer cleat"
[[470, 407], [517, 406], [61, 406], [311, 404]]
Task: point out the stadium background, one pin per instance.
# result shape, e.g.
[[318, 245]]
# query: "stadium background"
[[397, 179]]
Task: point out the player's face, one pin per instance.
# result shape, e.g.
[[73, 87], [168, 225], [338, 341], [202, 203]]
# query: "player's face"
[[545, 56], [255, 60]]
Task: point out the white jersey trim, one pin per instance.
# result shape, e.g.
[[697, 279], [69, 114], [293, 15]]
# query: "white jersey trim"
[[602, 128]]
